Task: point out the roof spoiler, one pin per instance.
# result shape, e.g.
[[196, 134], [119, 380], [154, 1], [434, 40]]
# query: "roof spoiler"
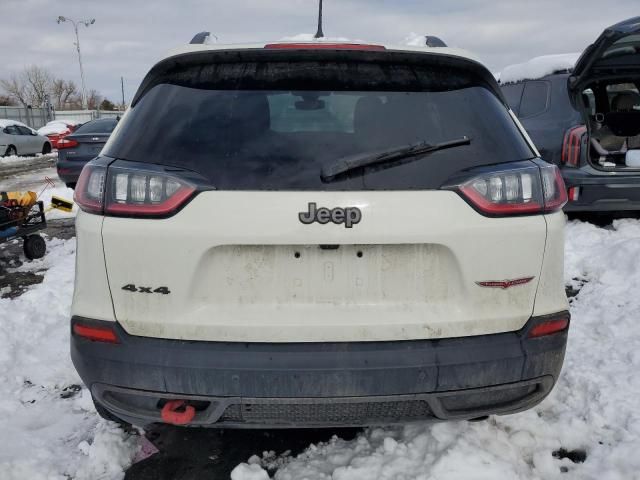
[[431, 41], [200, 38]]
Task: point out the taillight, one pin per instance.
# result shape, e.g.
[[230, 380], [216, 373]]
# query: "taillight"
[[572, 146], [131, 192], [66, 143], [95, 333], [516, 191], [89, 191]]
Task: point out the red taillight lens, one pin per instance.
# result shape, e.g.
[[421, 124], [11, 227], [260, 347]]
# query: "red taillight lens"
[[572, 145], [323, 46], [66, 143], [133, 192], [95, 333], [518, 191], [89, 192], [549, 327], [554, 189]]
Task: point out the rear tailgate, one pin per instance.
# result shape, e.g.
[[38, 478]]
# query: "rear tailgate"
[[240, 266]]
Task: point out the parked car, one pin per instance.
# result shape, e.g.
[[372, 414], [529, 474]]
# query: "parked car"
[[56, 130], [76, 149], [16, 138], [585, 118], [244, 262]]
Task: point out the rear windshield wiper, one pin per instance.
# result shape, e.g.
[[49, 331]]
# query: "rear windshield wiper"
[[360, 160]]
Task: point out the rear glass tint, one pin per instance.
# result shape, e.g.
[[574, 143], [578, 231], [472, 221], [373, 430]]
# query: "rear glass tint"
[[104, 126], [273, 126]]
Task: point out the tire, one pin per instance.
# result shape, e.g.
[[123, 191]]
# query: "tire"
[[34, 247], [11, 150], [72, 185], [46, 148]]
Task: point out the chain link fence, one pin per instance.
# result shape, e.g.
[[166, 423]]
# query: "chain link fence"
[[38, 117]]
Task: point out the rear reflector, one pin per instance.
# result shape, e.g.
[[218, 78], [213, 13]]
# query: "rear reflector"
[[549, 327], [323, 46], [574, 194], [95, 334]]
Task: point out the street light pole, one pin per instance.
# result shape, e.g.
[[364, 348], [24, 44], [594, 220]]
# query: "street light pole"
[[75, 23]]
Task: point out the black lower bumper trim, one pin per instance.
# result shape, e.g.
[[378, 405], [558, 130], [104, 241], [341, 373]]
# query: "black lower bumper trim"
[[300, 384]]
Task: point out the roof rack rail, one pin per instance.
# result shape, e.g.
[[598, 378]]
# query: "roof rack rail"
[[200, 38], [431, 41]]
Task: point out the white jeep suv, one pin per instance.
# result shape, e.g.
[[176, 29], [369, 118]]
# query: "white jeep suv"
[[317, 234]]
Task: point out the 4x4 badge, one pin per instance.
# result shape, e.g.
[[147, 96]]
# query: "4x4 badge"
[[349, 216]]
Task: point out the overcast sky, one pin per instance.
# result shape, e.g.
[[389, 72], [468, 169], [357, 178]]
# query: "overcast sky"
[[129, 36]]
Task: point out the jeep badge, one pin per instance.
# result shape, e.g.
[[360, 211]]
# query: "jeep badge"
[[349, 216]]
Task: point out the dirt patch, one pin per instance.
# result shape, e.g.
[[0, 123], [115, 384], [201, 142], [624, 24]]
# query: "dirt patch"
[[14, 280]]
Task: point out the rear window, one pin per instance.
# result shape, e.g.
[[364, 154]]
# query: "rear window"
[[535, 98], [273, 126], [104, 126], [513, 93]]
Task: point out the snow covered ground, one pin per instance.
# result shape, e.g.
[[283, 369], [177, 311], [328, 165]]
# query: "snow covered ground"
[[49, 429], [14, 160]]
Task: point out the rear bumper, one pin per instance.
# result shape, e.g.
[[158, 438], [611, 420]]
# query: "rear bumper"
[[255, 385], [602, 192], [69, 171]]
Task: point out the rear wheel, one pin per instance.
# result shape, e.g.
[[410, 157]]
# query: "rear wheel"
[[34, 247], [71, 185], [46, 148], [11, 151]]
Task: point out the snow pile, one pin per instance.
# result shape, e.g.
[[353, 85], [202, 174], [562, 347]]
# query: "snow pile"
[[61, 192], [13, 160], [55, 129], [593, 409], [414, 40], [49, 427], [538, 67]]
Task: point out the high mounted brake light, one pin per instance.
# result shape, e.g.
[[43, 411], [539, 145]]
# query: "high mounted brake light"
[[323, 46], [131, 192], [515, 191]]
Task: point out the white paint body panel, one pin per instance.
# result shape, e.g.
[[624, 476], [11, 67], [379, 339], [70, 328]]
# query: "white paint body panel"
[[91, 295], [228, 259]]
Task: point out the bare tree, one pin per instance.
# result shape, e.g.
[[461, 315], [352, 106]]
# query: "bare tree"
[[39, 82], [62, 92], [16, 89], [6, 101], [29, 87], [70, 91], [94, 99]]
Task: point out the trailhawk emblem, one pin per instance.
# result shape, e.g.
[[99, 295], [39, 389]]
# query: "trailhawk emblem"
[[349, 216]]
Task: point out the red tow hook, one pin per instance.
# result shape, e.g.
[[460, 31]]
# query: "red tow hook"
[[177, 412]]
